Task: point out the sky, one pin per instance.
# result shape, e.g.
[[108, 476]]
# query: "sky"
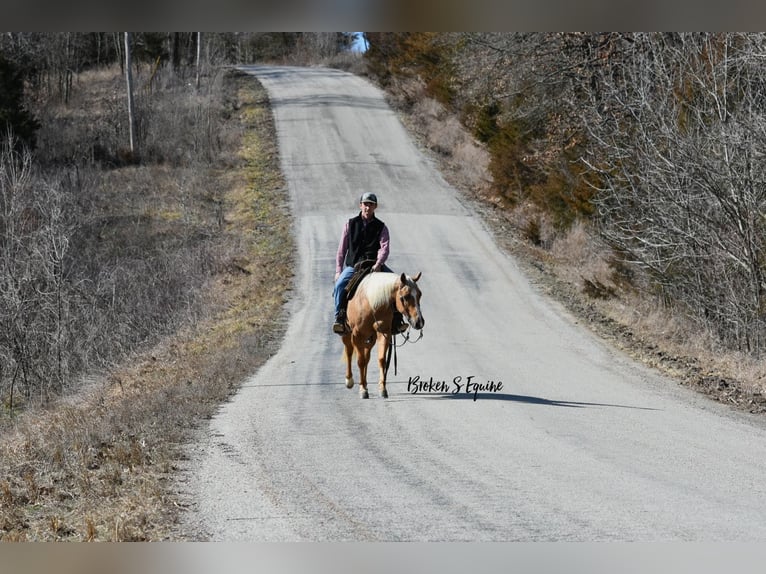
[[358, 45]]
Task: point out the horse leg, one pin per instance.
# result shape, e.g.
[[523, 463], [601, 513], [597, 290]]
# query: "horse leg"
[[348, 354], [363, 359], [384, 341]]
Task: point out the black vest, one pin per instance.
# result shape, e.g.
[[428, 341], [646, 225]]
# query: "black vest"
[[363, 241]]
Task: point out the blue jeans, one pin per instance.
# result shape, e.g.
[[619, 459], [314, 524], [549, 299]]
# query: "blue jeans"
[[339, 292]]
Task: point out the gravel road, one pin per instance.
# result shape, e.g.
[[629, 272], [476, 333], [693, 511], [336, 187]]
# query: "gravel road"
[[569, 440]]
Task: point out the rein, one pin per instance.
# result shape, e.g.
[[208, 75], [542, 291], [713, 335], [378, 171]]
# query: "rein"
[[392, 347]]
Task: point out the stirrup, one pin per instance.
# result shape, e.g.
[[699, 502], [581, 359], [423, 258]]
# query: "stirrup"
[[339, 328]]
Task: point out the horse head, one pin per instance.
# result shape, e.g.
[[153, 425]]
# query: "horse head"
[[408, 300]]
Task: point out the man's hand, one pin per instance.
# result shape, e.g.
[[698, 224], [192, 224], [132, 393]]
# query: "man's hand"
[[375, 268], [337, 274]]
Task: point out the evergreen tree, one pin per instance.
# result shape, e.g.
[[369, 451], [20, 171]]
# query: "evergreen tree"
[[13, 114]]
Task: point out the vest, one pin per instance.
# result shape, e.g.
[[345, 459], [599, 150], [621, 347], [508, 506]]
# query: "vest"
[[363, 241]]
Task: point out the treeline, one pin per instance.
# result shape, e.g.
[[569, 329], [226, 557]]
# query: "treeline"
[[43, 67], [656, 139], [102, 250], [50, 61]]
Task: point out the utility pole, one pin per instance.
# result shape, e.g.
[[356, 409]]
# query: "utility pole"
[[129, 79], [199, 51]]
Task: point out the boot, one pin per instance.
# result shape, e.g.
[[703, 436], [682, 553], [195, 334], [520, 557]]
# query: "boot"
[[339, 326]]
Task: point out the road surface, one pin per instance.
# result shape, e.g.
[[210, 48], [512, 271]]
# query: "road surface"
[[572, 442]]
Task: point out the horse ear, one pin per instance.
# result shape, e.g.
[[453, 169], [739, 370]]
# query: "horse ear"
[[403, 279], [415, 279]]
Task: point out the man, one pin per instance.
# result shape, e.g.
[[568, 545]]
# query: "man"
[[364, 237]]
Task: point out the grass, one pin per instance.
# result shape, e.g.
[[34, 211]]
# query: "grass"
[[97, 465]]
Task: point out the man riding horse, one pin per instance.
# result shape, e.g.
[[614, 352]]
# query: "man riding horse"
[[363, 247]]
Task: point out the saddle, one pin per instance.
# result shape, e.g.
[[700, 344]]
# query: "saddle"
[[361, 270]]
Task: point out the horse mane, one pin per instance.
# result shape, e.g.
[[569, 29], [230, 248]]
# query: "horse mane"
[[378, 288]]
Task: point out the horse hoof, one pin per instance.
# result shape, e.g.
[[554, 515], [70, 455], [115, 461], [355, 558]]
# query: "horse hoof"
[[384, 394], [349, 383], [364, 394]]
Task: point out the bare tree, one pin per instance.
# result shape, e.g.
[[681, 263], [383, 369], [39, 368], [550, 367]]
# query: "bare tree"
[[679, 148], [34, 240]]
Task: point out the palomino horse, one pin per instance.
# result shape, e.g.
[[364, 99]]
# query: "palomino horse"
[[370, 314]]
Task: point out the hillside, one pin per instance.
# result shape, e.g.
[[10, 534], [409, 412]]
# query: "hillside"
[[155, 292], [496, 112], [96, 462]]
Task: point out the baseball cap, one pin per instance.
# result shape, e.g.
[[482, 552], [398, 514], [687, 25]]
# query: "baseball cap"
[[369, 198]]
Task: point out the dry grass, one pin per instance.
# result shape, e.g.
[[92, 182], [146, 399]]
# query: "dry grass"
[[647, 328], [465, 161], [97, 465]]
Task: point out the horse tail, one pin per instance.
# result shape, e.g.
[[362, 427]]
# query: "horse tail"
[[343, 354]]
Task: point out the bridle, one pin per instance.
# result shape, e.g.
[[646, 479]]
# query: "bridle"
[[406, 336]]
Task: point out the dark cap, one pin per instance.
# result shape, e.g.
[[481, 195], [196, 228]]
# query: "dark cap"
[[369, 198]]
